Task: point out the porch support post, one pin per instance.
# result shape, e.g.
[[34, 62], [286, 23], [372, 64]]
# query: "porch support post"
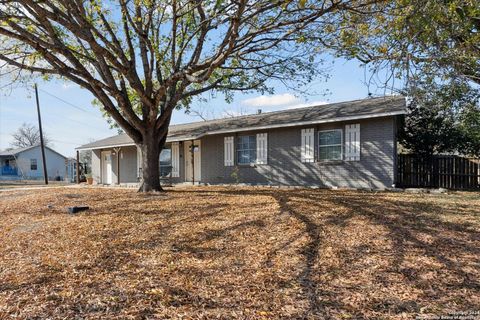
[[193, 162], [117, 151], [78, 167]]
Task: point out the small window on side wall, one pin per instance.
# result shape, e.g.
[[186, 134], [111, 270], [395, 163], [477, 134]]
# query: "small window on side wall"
[[33, 164], [330, 145]]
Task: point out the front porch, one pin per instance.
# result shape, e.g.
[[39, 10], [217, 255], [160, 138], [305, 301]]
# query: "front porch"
[[180, 162], [8, 167]]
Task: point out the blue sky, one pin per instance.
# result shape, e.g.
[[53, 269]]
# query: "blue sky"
[[75, 121]]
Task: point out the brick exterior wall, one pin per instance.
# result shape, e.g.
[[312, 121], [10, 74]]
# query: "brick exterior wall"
[[374, 170]]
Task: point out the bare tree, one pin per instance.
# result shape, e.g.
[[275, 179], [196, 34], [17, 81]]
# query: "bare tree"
[[28, 135], [206, 113], [203, 112], [232, 113], [144, 59]]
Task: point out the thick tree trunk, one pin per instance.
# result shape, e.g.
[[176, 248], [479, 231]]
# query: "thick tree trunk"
[[150, 164]]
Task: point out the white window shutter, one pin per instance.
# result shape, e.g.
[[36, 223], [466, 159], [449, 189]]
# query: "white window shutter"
[[352, 142], [262, 148], [308, 151], [229, 151], [175, 160]]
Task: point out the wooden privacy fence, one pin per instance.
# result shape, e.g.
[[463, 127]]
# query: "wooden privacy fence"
[[451, 172]]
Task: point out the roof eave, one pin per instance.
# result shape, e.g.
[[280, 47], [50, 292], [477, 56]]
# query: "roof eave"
[[273, 126], [82, 148], [175, 139], [306, 123]]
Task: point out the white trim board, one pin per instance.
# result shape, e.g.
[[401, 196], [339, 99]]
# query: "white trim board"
[[108, 146]]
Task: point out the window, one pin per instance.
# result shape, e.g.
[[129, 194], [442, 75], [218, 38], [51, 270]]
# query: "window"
[[246, 149], [33, 164], [165, 162], [330, 145]]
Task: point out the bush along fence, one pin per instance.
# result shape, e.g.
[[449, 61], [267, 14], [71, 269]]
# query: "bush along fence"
[[439, 171]]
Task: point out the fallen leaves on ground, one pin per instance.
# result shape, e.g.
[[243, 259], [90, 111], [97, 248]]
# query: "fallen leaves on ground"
[[244, 253]]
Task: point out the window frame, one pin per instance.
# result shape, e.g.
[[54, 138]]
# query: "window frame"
[[330, 145], [237, 150], [33, 162]]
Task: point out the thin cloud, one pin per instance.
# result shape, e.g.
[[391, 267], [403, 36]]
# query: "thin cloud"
[[279, 102], [67, 86], [305, 104], [271, 101]]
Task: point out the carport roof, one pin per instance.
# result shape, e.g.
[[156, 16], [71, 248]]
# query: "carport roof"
[[334, 112]]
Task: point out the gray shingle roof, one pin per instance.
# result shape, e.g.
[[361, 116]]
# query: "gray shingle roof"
[[349, 110], [118, 140]]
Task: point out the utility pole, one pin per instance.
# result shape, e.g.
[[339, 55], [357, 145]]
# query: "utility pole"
[[42, 145]]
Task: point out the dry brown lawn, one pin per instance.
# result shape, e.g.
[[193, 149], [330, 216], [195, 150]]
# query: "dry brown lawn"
[[244, 253]]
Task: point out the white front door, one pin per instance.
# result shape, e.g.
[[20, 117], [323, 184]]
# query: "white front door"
[[194, 170], [106, 167]]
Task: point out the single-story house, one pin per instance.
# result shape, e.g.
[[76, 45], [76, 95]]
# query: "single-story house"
[[346, 144], [27, 163]]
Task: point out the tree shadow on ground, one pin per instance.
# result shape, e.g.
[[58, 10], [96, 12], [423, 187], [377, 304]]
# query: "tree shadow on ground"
[[437, 259], [331, 254]]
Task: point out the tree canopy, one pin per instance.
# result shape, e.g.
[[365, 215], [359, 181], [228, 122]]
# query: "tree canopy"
[[428, 50], [143, 59], [443, 119], [415, 39]]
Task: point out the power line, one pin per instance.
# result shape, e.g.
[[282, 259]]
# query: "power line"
[[65, 101], [73, 143], [74, 120], [69, 119], [72, 105]]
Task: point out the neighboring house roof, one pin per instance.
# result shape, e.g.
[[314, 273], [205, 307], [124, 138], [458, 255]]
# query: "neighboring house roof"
[[14, 152], [342, 111]]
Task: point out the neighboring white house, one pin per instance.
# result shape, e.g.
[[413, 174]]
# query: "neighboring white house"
[[26, 163]]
